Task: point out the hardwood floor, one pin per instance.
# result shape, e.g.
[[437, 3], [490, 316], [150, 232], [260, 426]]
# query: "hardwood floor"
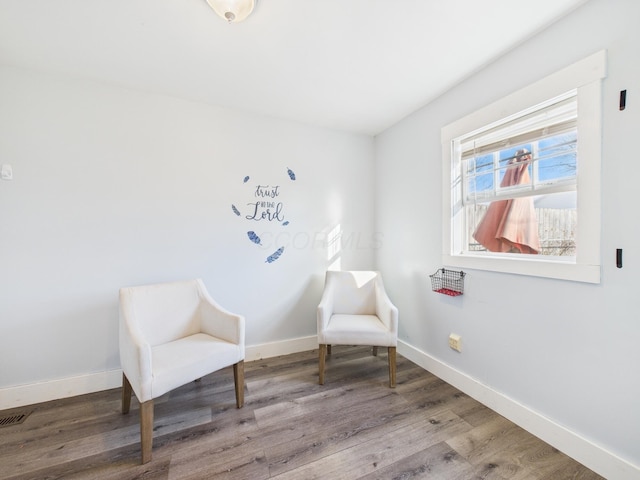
[[353, 427]]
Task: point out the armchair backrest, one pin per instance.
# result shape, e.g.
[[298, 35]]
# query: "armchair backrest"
[[353, 292], [164, 312]]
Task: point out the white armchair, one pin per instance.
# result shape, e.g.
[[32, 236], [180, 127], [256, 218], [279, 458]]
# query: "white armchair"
[[170, 335], [355, 310]]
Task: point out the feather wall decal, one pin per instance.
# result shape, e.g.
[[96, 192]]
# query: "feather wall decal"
[[235, 210], [275, 255], [253, 237], [292, 175], [246, 179]]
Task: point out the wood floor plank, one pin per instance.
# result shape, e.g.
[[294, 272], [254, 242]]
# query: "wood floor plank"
[[474, 413], [364, 458], [60, 451], [336, 400], [290, 427], [327, 434], [513, 452], [122, 464], [478, 442], [234, 467], [438, 462]]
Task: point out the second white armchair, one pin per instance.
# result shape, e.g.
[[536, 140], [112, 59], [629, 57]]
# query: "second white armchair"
[[355, 310]]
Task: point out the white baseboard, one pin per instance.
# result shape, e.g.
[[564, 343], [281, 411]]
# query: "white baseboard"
[[21, 395], [577, 447], [284, 347]]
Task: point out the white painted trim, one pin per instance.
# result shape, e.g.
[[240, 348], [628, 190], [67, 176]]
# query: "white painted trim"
[[577, 447], [21, 395], [284, 347]]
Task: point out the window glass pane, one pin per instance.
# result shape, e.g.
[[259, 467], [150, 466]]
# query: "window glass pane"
[[484, 163], [484, 182], [529, 166], [531, 225], [480, 175], [557, 157]]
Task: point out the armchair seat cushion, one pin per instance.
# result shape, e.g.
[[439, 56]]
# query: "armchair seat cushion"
[[345, 329], [171, 368]]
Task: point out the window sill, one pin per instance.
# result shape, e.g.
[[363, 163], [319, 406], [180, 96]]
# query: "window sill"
[[535, 267]]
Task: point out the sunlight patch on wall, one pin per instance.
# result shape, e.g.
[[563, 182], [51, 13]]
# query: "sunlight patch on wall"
[[334, 248]]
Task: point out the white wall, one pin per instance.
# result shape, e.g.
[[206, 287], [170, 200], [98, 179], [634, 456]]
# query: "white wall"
[[114, 187], [565, 351]]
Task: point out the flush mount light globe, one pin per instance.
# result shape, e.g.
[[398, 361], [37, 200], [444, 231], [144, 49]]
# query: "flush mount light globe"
[[233, 11]]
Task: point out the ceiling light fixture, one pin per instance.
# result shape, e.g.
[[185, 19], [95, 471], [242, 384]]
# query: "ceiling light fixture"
[[233, 11]]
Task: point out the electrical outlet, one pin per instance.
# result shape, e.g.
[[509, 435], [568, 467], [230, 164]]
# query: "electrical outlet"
[[455, 342]]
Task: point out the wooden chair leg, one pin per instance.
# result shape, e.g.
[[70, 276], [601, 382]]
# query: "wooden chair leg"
[[146, 430], [126, 394], [392, 367], [238, 378], [322, 354], [375, 351]]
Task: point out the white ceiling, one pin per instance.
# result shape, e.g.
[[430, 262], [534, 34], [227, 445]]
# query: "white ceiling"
[[353, 65]]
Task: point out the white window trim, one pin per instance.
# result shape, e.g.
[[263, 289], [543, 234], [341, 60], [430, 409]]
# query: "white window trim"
[[586, 76]]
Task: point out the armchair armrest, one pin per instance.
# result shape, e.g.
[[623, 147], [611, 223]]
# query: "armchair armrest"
[[325, 310], [135, 352], [219, 322], [386, 311]]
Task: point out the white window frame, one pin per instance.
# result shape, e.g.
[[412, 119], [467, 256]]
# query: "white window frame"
[[585, 76]]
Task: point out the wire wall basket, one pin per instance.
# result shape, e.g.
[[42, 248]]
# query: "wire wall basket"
[[448, 282]]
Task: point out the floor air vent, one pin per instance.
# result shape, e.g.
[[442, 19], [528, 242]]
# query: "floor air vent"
[[13, 419]]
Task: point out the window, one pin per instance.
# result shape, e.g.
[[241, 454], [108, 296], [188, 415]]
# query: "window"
[[519, 182], [522, 180]]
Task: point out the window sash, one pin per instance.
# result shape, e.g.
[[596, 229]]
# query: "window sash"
[[554, 117], [499, 167]]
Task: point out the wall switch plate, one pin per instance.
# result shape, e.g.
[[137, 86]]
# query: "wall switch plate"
[[6, 173], [455, 342]]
